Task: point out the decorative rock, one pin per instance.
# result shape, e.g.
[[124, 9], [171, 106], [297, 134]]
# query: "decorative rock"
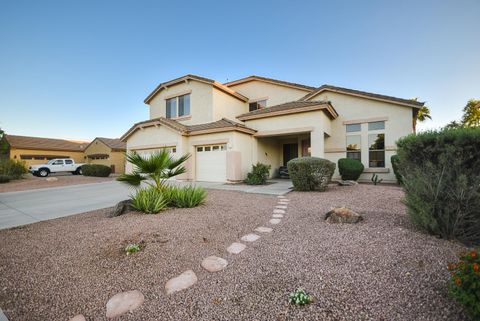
[[78, 317], [283, 207], [347, 183], [214, 264], [181, 282], [275, 221], [124, 302], [342, 215], [51, 179], [236, 248], [121, 208], [250, 237], [262, 229], [278, 211], [277, 215]]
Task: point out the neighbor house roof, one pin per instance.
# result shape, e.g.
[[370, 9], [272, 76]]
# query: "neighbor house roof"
[[27, 142], [221, 125], [292, 107], [364, 94], [270, 80], [186, 78], [113, 143]]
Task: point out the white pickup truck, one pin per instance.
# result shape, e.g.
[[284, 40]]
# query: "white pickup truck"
[[56, 165]]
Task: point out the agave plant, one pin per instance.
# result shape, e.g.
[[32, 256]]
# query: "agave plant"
[[153, 170]]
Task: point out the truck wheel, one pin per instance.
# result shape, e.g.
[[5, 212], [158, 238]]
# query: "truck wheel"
[[78, 171], [43, 172]]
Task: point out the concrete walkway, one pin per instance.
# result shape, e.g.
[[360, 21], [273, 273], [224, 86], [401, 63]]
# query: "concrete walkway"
[[25, 207]]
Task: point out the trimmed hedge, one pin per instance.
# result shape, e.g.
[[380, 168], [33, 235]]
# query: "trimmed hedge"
[[96, 170], [350, 169], [310, 173], [395, 160], [441, 173], [258, 175]]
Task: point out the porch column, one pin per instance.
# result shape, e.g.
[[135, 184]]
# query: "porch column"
[[317, 141]]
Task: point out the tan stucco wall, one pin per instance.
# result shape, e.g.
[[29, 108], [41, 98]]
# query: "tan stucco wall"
[[15, 154], [275, 94], [398, 123], [116, 158], [227, 106]]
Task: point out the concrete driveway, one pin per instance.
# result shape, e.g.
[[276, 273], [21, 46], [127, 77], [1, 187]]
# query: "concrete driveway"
[[25, 207]]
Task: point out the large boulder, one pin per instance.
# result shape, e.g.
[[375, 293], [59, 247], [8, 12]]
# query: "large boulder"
[[342, 215], [122, 207]]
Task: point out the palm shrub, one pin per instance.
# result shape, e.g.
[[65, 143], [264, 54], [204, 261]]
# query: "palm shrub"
[[310, 173], [258, 175], [350, 169], [441, 173], [149, 200]]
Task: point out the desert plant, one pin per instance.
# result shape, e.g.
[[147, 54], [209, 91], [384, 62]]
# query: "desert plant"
[[310, 173], [299, 297], [375, 180], [158, 167], [258, 175], [96, 170], [132, 248], [184, 197], [465, 282], [4, 179], [14, 169], [395, 160], [441, 173], [350, 169], [149, 200]]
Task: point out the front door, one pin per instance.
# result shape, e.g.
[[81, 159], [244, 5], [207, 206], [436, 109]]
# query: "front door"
[[290, 151]]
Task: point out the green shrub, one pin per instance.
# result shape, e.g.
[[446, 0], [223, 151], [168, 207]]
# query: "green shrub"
[[149, 200], [310, 173], [132, 248], [395, 160], [299, 297], [14, 169], [441, 174], [350, 169], [184, 197], [96, 170], [258, 175], [465, 282], [4, 179]]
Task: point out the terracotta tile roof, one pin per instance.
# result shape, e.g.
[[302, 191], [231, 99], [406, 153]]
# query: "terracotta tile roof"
[[401, 101], [290, 108], [41, 143], [279, 82], [214, 83], [113, 143], [223, 123]]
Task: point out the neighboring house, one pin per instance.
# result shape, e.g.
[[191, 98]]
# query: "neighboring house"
[[228, 127], [107, 151], [38, 150]]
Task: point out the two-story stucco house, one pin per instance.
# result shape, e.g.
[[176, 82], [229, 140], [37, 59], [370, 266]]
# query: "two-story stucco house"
[[228, 127]]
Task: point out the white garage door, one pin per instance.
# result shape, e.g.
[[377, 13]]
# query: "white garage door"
[[211, 163]]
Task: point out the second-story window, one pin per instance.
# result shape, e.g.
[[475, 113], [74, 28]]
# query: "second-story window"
[[257, 105], [178, 106]]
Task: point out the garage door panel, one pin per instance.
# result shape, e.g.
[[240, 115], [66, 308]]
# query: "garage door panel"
[[211, 164]]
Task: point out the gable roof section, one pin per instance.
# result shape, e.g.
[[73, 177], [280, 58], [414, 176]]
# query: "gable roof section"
[[28, 142], [364, 94], [113, 143], [292, 107], [221, 125], [189, 77], [270, 80]]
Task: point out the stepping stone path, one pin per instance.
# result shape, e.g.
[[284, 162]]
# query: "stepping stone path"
[[214, 264], [250, 237], [236, 248], [275, 221], [277, 215], [278, 211], [78, 317], [124, 302], [262, 229], [282, 203], [282, 207], [181, 282]]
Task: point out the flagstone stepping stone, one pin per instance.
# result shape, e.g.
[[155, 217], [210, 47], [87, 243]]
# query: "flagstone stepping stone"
[[214, 263], [278, 211], [124, 302], [262, 229], [275, 221], [236, 248], [283, 202], [181, 282], [277, 215], [283, 207], [78, 317], [250, 237], [281, 196]]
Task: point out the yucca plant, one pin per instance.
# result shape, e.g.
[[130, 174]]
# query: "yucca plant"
[[149, 200], [189, 196], [153, 170]]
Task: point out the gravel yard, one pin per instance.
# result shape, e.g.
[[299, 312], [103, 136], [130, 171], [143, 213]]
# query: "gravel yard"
[[379, 269], [32, 182]]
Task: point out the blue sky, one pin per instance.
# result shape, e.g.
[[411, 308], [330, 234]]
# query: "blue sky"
[[80, 69]]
